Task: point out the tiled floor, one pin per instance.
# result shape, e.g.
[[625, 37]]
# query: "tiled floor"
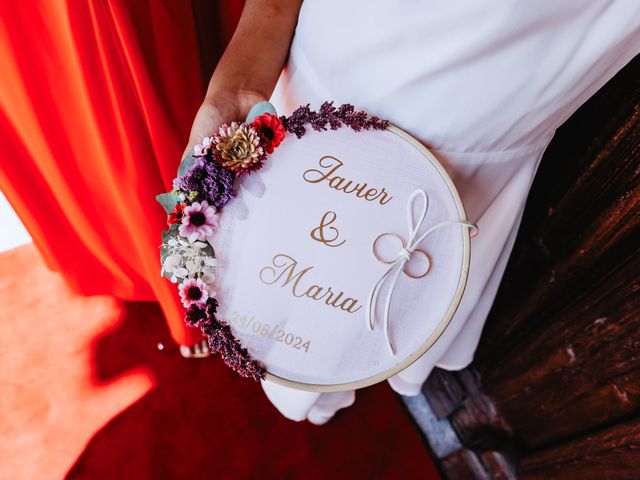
[[12, 233]]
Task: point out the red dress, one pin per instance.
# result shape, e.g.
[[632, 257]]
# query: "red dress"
[[97, 99]]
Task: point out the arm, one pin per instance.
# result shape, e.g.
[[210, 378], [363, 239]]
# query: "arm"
[[249, 69]]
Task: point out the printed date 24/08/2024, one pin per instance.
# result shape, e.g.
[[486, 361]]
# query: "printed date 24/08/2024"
[[275, 332]]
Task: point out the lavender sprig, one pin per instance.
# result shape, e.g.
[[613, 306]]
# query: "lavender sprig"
[[235, 356], [221, 340], [333, 117]]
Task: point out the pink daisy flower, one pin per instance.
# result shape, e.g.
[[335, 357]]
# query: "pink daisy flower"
[[193, 292], [199, 220]]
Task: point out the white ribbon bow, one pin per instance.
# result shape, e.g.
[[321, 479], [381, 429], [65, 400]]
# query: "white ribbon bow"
[[403, 257]]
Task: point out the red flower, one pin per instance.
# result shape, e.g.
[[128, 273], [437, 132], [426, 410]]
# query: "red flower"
[[176, 214], [271, 130]]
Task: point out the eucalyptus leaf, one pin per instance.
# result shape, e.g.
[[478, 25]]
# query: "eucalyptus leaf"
[[172, 231], [168, 201], [258, 109], [186, 163]]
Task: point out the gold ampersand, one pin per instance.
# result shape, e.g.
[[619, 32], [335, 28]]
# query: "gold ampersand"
[[320, 232]]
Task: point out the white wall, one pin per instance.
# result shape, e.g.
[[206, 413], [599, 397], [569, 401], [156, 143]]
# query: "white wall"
[[12, 233]]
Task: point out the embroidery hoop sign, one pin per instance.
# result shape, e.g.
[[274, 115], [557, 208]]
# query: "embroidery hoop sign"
[[296, 258]]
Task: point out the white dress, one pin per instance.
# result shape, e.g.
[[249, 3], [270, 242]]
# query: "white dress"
[[484, 84]]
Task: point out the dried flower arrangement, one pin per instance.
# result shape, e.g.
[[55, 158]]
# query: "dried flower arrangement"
[[205, 184]]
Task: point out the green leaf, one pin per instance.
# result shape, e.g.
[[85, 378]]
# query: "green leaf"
[[172, 231], [258, 109], [168, 201], [186, 163]]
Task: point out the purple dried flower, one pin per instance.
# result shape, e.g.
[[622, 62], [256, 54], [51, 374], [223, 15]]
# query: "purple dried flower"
[[328, 111], [222, 340], [234, 355], [196, 316], [334, 117], [212, 307], [295, 123], [213, 182]]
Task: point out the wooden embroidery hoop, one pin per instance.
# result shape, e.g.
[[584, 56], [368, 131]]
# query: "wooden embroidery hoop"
[[442, 325]]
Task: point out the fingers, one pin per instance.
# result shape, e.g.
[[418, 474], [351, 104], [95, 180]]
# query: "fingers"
[[207, 121]]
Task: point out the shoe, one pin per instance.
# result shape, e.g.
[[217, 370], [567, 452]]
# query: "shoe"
[[317, 417], [199, 350]]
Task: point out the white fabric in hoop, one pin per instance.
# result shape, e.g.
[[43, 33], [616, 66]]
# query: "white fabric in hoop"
[[275, 214]]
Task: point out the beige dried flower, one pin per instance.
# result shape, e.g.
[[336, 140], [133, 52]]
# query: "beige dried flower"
[[239, 148]]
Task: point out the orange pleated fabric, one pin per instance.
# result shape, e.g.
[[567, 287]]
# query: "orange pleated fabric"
[[96, 103]]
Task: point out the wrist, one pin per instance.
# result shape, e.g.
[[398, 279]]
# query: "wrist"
[[233, 103]]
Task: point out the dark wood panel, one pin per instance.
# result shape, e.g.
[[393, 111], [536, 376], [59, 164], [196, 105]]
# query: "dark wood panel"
[[583, 373], [560, 355], [587, 177], [555, 386], [463, 465], [479, 424], [445, 392], [611, 454]]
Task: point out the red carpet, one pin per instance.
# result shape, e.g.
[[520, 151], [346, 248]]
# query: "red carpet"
[[86, 393]]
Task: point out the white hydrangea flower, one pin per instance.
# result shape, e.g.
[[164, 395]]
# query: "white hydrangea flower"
[[183, 259], [208, 276]]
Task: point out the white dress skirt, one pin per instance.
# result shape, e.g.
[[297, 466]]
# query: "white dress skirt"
[[483, 84]]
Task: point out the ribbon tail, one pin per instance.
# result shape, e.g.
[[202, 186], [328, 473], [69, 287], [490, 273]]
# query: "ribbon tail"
[[370, 306], [403, 257], [387, 308]]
